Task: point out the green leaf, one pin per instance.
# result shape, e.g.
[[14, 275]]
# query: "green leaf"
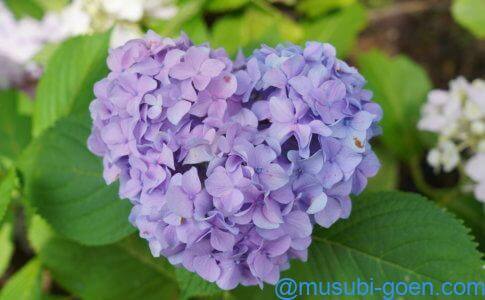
[[314, 8], [470, 14], [25, 8], [472, 212], [187, 12], [339, 29], [107, 272], [25, 106], [252, 29], [44, 55], [7, 187], [52, 5], [195, 28], [388, 176], [191, 285], [6, 246], [39, 233], [228, 32], [400, 86], [66, 186], [67, 84], [14, 128], [393, 236], [224, 5], [25, 284]]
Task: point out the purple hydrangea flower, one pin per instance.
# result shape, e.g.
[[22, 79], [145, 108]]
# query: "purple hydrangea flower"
[[229, 166]]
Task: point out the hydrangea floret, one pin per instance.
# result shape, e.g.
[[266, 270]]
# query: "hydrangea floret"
[[230, 165]]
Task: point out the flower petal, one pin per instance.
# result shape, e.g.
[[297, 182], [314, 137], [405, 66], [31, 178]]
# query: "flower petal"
[[207, 267], [178, 111]]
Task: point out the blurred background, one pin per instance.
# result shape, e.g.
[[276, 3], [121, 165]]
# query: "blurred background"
[[405, 48]]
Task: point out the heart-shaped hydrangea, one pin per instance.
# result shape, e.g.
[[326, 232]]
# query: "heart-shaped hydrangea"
[[230, 164]]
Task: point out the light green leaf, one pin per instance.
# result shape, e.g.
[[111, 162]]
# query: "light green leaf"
[[6, 246], [67, 84], [187, 11], [393, 236], [400, 86], [339, 29], [14, 128], [52, 5], [470, 14], [194, 27], [25, 284], [224, 5], [228, 32], [252, 29], [191, 285], [25, 8], [25, 106], [65, 184], [388, 176], [44, 55], [314, 8], [107, 272], [39, 232], [8, 184]]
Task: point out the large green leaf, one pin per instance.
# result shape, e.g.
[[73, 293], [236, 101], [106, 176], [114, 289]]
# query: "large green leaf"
[[7, 185], [393, 236], [14, 128], [339, 29], [67, 84], [470, 14], [67, 188], [25, 284], [107, 272], [389, 237], [400, 86]]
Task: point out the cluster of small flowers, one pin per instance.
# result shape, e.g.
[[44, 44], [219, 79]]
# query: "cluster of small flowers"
[[21, 40], [458, 117], [230, 164]]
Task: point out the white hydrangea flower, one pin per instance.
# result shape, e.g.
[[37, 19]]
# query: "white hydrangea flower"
[[446, 155], [458, 117], [475, 169], [124, 16], [21, 40]]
